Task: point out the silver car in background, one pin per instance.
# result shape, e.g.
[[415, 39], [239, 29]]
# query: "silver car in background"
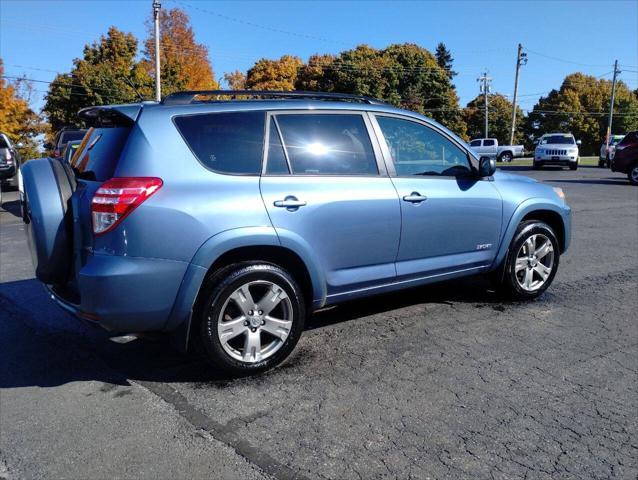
[[559, 149]]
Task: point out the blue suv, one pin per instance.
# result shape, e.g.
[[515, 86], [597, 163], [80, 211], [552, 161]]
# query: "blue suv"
[[227, 220]]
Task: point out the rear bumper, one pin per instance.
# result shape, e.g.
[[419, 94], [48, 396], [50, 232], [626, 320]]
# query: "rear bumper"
[[125, 294]]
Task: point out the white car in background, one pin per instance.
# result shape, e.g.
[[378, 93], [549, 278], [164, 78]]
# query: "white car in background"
[[489, 147], [605, 154], [558, 149]]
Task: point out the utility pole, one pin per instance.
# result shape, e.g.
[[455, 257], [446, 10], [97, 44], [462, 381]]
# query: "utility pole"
[[158, 87], [485, 89], [611, 105], [521, 59]]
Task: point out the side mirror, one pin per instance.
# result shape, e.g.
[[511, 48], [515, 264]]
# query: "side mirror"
[[579, 143], [48, 146], [487, 166], [536, 142]]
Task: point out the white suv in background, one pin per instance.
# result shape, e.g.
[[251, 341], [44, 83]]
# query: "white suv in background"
[[557, 149]]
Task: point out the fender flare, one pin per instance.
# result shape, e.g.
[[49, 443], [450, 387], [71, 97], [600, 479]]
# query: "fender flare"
[[179, 320], [527, 206]]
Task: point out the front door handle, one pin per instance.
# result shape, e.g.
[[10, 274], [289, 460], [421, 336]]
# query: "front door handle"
[[415, 197], [290, 203]]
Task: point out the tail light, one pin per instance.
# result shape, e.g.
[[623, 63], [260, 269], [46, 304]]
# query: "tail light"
[[117, 198]]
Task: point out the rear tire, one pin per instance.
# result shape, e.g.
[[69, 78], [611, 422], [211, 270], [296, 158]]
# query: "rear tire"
[[632, 175], [505, 157], [532, 261], [252, 318]]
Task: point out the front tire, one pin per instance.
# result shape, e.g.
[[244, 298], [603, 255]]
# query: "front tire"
[[532, 261], [633, 175], [252, 319]]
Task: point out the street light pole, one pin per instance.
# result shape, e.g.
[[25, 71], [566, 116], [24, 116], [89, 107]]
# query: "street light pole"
[[611, 106], [485, 88], [158, 87], [521, 59]]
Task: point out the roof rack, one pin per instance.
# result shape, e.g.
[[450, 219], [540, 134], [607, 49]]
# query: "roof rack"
[[187, 97]]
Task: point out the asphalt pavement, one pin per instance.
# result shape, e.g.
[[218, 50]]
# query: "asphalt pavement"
[[443, 381]]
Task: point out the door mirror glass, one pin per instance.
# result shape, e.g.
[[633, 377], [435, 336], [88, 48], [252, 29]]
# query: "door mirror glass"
[[487, 166]]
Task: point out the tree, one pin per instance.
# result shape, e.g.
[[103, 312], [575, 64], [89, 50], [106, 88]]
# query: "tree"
[[444, 59], [184, 63], [236, 80], [580, 106], [405, 75], [499, 117], [108, 73], [274, 74], [17, 120]]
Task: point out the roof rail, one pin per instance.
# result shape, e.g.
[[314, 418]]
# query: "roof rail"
[[187, 97]]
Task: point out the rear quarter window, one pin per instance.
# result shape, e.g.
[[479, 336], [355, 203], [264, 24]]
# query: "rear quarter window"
[[230, 142]]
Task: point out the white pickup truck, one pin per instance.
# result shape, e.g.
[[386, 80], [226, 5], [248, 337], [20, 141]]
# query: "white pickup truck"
[[489, 147]]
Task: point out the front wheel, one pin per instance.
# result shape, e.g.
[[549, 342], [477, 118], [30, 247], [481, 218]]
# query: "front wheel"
[[633, 175], [532, 261], [252, 319]]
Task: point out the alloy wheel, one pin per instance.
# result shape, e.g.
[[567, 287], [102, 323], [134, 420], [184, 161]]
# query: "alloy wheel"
[[634, 174], [534, 262], [251, 330]]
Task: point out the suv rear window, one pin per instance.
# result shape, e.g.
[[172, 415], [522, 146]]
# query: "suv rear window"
[[68, 136], [100, 152], [226, 142]]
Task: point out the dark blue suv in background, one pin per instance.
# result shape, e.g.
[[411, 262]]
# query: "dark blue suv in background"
[[227, 221]]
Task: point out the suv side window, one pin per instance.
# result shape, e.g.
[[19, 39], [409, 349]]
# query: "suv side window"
[[326, 144], [475, 143], [230, 142], [419, 150], [488, 143]]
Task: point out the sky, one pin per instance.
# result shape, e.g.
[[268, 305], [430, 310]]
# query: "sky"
[[39, 38]]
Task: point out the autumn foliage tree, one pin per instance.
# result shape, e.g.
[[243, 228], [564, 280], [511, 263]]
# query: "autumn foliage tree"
[[274, 74], [499, 117], [236, 80], [184, 62], [17, 120]]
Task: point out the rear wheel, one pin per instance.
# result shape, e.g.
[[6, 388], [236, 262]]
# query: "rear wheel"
[[633, 175], [252, 319], [532, 261], [506, 157]]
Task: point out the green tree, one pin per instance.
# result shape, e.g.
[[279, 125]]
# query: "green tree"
[[405, 75], [274, 74], [444, 59], [580, 106], [499, 117], [184, 62], [17, 120], [108, 73]]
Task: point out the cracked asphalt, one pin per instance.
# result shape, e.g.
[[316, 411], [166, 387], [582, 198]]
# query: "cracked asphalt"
[[445, 381]]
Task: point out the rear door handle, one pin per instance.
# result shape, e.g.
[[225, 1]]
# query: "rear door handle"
[[290, 203], [415, 197]]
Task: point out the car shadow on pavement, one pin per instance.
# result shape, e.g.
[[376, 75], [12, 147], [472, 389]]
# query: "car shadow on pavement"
[[602, 181], [43, 346], [13, 207]]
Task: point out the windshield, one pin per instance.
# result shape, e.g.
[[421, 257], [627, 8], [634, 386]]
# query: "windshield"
[[558, 140]]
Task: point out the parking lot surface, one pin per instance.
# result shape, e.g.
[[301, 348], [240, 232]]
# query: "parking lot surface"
[[443, 381]]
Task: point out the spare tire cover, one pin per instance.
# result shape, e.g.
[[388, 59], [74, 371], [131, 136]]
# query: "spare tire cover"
[[48, 185]]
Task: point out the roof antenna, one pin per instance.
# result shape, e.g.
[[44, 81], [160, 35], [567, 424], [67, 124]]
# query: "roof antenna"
[[130, 84]]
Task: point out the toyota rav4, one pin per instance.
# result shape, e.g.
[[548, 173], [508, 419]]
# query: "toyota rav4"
[[227, 222]]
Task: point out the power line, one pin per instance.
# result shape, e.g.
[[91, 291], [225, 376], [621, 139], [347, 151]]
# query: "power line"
[[562, 59]]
